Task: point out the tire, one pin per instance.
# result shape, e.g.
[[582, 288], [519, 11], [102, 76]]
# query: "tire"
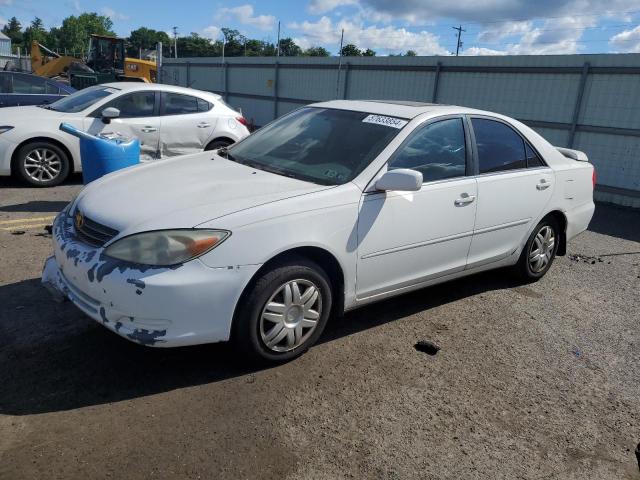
[[274, 328], [544, 240], [42, 164], [216, 144]]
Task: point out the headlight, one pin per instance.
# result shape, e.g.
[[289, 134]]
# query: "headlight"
[[166, 247], [5, 128]]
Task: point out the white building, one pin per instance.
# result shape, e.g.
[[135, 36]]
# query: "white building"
[[5, 44]]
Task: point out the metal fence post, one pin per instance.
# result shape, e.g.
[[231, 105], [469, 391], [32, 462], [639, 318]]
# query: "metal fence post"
[[345, 90], [576, 110], [275, 90], [225, 66], [436, 80], [188, 74]]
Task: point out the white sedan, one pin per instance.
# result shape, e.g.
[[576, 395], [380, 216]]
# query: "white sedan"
[[331, 207], [167, 120]]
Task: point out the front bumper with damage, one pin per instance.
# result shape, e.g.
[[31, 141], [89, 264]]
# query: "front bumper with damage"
[[154, 306]]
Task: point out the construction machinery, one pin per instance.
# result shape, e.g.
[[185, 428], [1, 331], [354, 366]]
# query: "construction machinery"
[[50, 64], [105, 62]]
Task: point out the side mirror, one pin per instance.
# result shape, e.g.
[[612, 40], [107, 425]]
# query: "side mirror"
[[402, 179], [108, 113]]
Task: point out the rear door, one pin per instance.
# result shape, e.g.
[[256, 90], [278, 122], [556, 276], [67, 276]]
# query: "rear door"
[[514, 186], [187, 124], [138, 118]]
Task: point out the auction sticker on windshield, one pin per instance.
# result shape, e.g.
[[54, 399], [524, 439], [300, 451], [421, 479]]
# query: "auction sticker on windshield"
[[386, 121]]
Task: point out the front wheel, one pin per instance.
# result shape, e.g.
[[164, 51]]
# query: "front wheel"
[[285, 312], [539, 251], [42, 164]]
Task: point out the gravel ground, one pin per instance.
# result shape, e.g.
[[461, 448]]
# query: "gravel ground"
[[536, 381]]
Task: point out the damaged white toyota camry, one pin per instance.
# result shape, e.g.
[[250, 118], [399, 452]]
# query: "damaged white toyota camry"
[[328, 208]]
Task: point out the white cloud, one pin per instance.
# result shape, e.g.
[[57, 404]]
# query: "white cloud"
[[627, 41], [497, 32], [113, 15], [384, 40], [318, 7], [6, 2], [245, 15], [481, 51], [212, 32]]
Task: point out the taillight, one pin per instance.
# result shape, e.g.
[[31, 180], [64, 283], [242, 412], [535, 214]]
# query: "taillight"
[[593, 178], [243, 121]]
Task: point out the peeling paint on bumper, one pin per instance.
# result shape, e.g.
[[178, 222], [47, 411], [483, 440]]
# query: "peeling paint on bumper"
[[159, 307]]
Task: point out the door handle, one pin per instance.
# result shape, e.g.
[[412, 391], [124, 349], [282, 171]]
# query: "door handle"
[[204, 125], [465, 199], [543, 185], [148, 129]]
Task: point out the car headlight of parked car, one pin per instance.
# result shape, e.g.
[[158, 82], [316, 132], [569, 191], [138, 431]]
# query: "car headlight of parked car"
[[5, 128], [165, 248]]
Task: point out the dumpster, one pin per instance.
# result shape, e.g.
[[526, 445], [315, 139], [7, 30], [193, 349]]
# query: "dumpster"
[[104, 153]]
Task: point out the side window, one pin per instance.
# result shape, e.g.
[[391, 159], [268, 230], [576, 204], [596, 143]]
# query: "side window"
[[30, 85], [52, 89], [134, 105], [533, 160], [437, 150], [204, 106], [178, 104], [499, 146]]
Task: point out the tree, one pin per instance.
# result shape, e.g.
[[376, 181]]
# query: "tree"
[[411, 53], [13, 30], [145, 39], [369, 53], [350, 50], [316, 52], [288, 48], [73, 35], [196, 46], [35, 32]]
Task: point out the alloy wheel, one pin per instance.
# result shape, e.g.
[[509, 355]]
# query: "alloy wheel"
[[42, 164]]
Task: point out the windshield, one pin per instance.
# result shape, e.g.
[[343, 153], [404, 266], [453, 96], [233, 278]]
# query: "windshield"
[[321, 145], [82, 99]]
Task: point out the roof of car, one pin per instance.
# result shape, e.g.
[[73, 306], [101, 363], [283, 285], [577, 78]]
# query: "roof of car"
[[399, 108], [158, 86]]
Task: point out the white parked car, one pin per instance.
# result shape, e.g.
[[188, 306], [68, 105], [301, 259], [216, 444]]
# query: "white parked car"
[[167, 120], [333, 206]]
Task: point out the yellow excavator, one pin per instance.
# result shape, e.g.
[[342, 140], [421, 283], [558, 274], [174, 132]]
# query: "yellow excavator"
[[105, 62]]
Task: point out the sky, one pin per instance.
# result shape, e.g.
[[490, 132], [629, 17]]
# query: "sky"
[[493, 27]]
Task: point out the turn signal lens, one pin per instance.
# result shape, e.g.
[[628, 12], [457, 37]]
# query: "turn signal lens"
[[243, 121], [166, 247]]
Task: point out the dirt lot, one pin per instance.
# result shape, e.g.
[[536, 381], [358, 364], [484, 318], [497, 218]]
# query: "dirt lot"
[[537, 381]]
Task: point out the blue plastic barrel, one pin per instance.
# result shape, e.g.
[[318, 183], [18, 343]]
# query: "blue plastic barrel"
[[100, 155]]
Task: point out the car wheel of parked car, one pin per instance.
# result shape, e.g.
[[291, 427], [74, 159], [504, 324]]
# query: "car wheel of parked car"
[[285, 312], [216, 144], [540, 250], [42, 164]]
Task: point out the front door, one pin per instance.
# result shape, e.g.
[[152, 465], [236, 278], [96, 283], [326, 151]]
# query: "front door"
[[406, 238], [514, 186], [138, 119]]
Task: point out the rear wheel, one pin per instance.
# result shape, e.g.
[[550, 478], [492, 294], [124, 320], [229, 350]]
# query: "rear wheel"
[[540, 250], [42, 164], [285, 312], [216, 144]]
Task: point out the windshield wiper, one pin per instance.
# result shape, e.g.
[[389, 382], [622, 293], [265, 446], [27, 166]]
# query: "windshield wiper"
[[224, 153], [48, 107]]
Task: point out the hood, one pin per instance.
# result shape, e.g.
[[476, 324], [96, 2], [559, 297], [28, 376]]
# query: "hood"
[[26, 114], [183, 192]]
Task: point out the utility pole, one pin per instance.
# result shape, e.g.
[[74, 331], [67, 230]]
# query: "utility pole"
[[459, 44], [339, 63], [278, 47], [175, 42]]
